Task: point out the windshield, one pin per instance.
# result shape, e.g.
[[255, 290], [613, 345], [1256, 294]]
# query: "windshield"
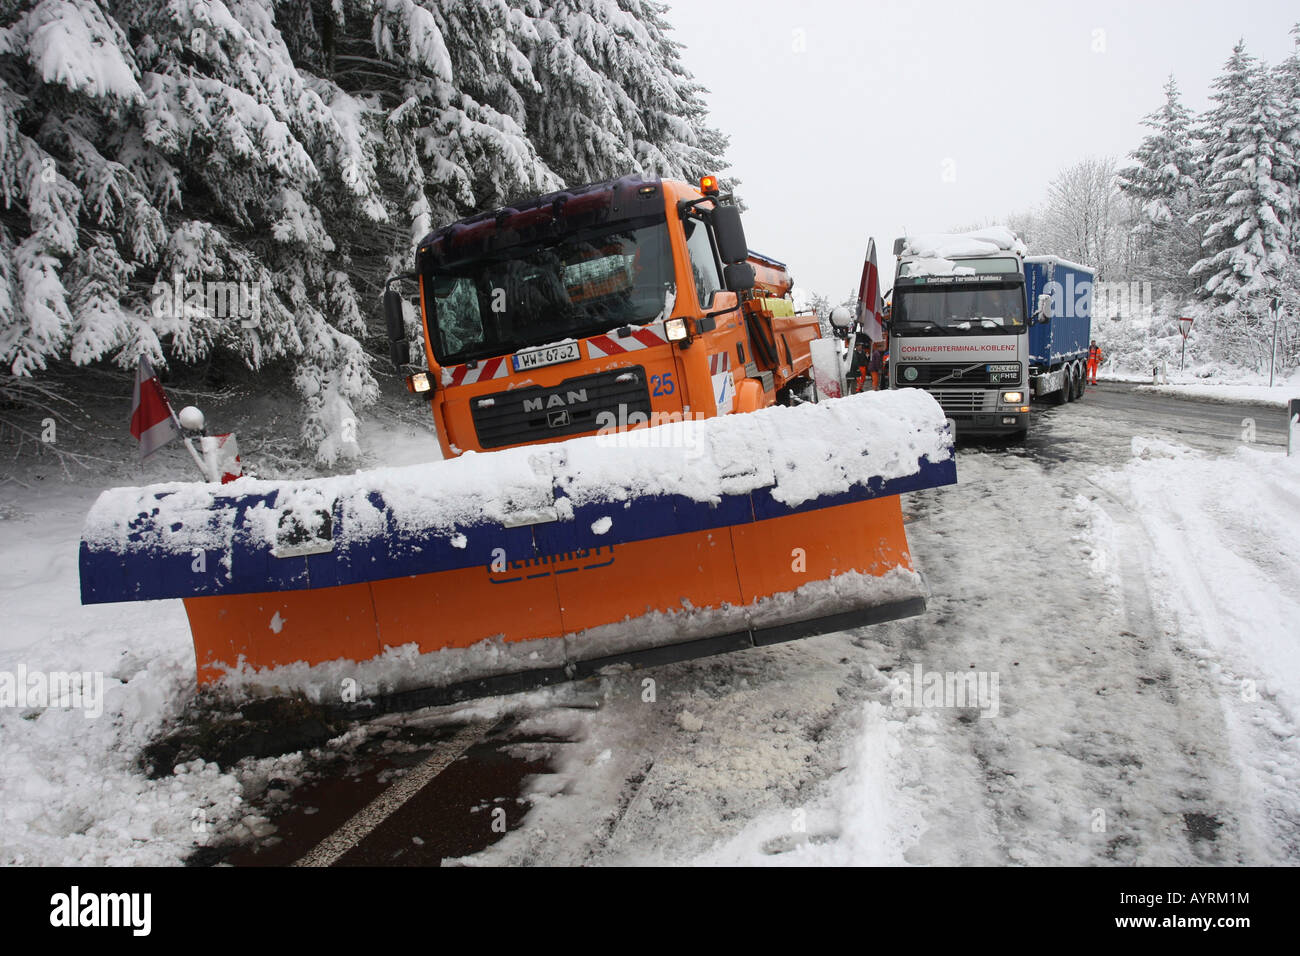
[[536, 294], [947, 310]]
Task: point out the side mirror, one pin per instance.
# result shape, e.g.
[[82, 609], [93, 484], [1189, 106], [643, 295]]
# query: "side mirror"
[[396, 320], [899, 245], [730, 235], [739, 276], [1044, 308]]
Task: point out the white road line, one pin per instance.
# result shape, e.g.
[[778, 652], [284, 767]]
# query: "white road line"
[[356, 829]]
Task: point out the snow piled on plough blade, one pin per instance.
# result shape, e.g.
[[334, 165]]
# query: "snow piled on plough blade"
[[495, 572]]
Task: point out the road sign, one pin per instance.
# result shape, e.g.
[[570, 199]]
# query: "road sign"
[[1184, 326], [1292, 425], [1276, 308]]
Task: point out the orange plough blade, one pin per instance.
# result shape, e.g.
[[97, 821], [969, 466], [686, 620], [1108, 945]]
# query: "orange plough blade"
[[495, 573]]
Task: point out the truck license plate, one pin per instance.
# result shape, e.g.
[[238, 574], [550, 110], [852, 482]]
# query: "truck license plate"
[[550, 355], [1013, 367]]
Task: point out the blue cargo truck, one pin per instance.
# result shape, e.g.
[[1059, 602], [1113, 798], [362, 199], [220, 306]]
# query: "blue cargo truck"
[[984, 327]]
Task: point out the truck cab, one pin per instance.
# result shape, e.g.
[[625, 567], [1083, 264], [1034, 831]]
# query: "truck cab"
[[596, 310], [959, 328]]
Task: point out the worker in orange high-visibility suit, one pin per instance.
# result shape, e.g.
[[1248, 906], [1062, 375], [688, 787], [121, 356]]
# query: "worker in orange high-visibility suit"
[[1094, 361]]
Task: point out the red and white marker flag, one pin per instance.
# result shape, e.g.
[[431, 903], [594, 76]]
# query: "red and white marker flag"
[[152, 421], [870, 303]]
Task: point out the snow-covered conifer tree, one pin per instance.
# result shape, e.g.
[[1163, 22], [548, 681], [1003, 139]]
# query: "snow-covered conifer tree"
[[1247, 207], [1163, 184]]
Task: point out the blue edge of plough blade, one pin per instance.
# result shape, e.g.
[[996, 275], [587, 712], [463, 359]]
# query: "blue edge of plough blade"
[[131, 571]]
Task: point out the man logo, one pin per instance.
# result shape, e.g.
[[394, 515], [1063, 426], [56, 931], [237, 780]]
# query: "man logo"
[[557, 419], [556, 400]]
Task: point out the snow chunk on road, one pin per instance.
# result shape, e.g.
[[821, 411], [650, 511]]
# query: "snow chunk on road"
[[689, 722]]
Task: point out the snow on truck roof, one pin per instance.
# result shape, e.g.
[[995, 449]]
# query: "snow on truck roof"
[[1057, 260], [949, 245]]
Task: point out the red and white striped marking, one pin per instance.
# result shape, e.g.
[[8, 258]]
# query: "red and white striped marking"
[[719, 362], [487, 369], [598, 346]]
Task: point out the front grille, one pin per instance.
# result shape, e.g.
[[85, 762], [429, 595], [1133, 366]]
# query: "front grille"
[[524, 415], [934, 371], [963, 400]]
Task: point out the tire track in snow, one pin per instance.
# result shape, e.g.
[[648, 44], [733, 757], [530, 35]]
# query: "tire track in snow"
[[1225, 581], [1202, 780], [1091, 693]]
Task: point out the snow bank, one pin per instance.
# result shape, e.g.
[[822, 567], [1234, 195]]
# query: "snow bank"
[[1277, 395], [72, 792]]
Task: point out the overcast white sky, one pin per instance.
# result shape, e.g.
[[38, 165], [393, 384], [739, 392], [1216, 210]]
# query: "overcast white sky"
[[843, 117]]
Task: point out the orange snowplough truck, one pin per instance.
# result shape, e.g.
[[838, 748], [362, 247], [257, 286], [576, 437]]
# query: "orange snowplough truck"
[[612, 311], [639, 305]]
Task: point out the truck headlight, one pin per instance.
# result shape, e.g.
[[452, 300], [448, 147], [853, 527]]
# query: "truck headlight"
[[1013, 398], [675, 329], [420, 382]]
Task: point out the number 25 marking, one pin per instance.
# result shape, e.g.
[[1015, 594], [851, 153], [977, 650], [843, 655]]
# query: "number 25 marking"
[[663, 384]]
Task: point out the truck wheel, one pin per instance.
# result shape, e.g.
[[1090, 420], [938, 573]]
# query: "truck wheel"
[[1067, 392], [1080, 384], [1057, 397]]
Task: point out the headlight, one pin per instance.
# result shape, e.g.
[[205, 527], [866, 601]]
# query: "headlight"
[[675, 329], [1013, 398], [420, 382]]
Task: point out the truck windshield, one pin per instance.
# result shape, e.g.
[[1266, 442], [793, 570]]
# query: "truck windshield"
[[569, 287], [947, 310]]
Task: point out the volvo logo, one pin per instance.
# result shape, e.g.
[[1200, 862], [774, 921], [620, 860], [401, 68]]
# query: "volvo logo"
[[557, 419]]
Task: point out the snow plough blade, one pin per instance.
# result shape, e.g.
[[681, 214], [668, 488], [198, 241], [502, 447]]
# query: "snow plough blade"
[[492, 573]]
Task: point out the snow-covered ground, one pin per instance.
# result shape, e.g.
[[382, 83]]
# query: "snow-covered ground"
[[1125, 608], [1185, 387], [1121, 619], [1214, 386], [73, 790]]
